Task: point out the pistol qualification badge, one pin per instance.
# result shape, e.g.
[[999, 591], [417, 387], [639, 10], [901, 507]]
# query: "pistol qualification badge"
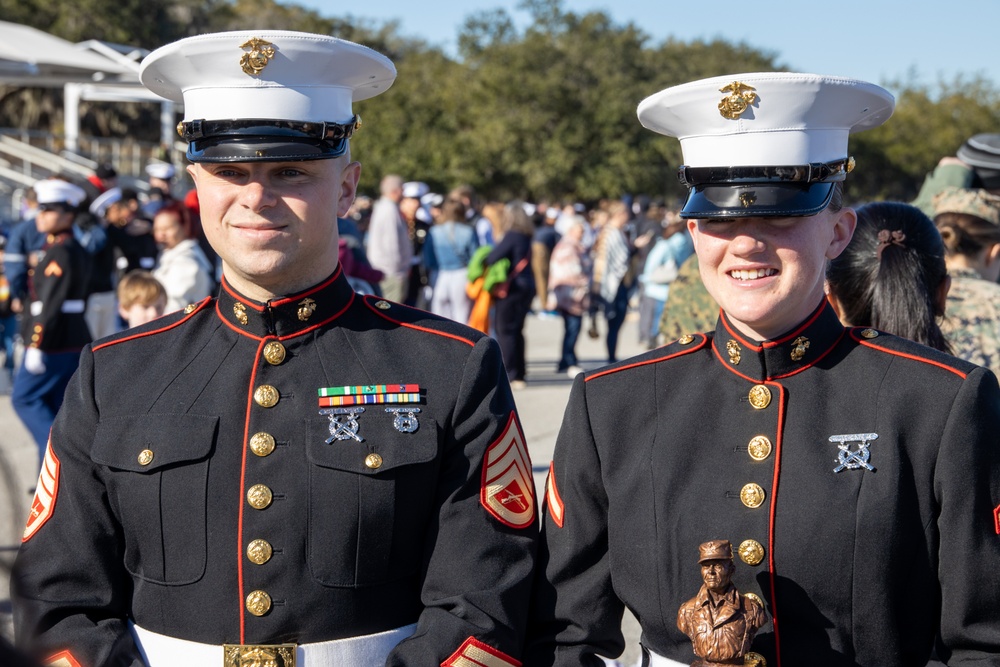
[[405, 419], [854, 459], [343, 423]]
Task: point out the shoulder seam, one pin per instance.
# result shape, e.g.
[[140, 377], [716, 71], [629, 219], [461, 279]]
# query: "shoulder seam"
[[153, 332], [366, 300], [680, 353], [866, 343]]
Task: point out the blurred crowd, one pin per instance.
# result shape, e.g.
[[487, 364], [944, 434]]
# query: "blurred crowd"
[[926, 270]]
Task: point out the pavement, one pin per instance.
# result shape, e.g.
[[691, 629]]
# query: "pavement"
[[540, 406]]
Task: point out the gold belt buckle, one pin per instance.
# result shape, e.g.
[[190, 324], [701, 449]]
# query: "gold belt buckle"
[[258, 655]]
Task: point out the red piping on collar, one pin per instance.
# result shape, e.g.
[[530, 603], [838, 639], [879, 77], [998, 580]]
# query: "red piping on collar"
[[291, 335], [780, 341], [288, 299], [680, 353], [179, 322], [365, 300], [855, 335]]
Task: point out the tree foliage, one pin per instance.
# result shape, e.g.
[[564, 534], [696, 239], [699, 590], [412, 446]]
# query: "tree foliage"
[[545, 110]]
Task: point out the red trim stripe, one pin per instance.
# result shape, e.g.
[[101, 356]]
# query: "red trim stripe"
[[474, 653], [554, 502], [289, 336], [770, 528], [384, 316], [996, 519], [808, 323], [692, 348], [867, 343], [179, 322], [62, 659], [813, 362]]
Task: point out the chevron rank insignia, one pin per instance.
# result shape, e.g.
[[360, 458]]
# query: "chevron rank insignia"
[[508, 491], [45, 494], [552, 498]]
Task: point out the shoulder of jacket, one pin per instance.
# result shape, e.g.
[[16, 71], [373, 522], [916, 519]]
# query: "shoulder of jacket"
[[905, 348], [420, 320], [159, 326], [682, 347]]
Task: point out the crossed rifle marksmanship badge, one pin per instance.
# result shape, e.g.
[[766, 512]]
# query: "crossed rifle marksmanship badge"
[[343, 430], [853, 460]]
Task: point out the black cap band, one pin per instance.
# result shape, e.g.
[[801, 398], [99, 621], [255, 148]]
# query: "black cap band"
[[265, 140]]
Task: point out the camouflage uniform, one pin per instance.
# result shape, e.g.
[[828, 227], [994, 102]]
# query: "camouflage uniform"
[[689, 308], [972, 319]]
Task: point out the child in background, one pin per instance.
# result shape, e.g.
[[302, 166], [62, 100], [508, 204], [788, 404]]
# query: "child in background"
[[141, 298]]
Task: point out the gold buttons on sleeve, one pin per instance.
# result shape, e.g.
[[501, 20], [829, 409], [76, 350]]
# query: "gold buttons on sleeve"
[[752, 495], [760, 397], [759, 447], [751, 552], [262, 444], [259, 552], [259, 496], [274, 353], [145, 457], [266, 396], [373, 461], [258, 603]]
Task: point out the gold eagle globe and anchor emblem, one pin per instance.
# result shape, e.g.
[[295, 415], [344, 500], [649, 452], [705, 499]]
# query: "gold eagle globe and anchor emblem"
[[254, 61], [740, 97]]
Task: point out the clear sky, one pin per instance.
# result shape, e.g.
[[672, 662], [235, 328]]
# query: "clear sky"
[[875, 40]]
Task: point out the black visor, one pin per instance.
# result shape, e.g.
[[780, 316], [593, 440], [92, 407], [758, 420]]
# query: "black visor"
[[262, 140]]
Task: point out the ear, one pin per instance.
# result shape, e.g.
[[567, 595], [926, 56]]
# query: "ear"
[[993, 254], [692, 227], [193, 171], [941, 298], [349, 177], [845, 220]]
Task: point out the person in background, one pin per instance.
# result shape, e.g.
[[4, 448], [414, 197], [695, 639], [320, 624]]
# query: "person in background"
[[542, 245], [103, 179], [53, 327], [182, 267], [892, 275], [8, 322], [569, 292], [389, 247], [418, 221], [514, 301], [141, 298], [449, 247], [613, 252], [969, 223], [161, 183], [660, 269]]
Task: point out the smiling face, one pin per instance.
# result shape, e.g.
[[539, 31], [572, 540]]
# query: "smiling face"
[[274, 224], [767, 274]]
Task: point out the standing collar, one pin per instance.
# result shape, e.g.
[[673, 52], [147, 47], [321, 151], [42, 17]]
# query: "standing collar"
[[287, 315], [786, 355]]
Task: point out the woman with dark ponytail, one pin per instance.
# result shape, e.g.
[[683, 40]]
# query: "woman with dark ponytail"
[[892, 276]]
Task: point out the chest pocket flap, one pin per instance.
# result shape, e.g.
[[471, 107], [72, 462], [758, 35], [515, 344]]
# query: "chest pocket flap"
[[151, 442], [393, 448]]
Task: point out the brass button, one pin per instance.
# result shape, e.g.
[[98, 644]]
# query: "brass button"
[[259, 552], [752, 495], [869, 333], [759, 447], [373, 461], [760, 397], [188, 309], [685, 339], [261, 444], [258, 603], [751, 552], [266, 396], [274, 353], [755, 598], [259, 496], [382, 305], [145, 457]]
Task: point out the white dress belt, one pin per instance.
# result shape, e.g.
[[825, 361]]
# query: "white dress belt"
[[68, 306], [163, 651]]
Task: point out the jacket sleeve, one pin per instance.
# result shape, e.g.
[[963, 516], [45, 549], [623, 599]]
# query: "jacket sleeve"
[[480, 552], [967, 489], [69, 587], [575, 615]]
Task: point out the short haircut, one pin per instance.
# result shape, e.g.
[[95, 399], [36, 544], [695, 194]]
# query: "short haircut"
[[139, 287]]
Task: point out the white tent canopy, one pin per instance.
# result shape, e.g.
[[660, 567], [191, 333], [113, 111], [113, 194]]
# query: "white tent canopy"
[[91, 70]]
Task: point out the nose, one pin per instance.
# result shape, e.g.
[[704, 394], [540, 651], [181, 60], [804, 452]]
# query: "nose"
[[256, 195], [748, 240]]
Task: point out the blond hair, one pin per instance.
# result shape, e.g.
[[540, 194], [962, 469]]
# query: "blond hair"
[[140, 287]]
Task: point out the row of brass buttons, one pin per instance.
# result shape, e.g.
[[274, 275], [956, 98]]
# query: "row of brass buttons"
[[752, 494], [259, 496]]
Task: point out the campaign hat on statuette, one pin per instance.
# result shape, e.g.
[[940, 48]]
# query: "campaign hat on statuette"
[[266, 95], [55, 191], [766, 144], [715, 550]]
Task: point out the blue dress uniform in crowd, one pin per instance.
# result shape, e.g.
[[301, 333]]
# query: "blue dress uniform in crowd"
[[314, 478], [856, 474], [52, 326]]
